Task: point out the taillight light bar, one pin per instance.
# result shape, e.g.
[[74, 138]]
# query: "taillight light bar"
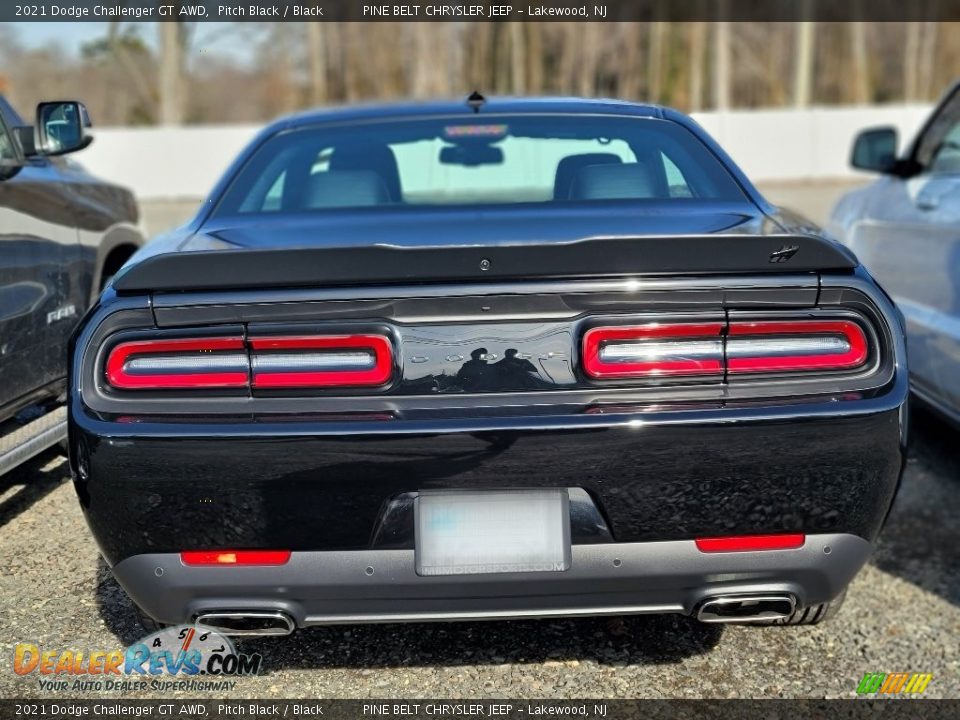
[[791, 345], [321, 361], [180, 363], [711, 349], [316, 361], [654, 350]]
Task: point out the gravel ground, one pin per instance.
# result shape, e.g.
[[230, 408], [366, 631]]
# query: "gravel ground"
[[902, 614]]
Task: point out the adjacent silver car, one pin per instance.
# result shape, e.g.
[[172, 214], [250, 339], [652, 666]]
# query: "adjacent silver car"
[[905, 228]]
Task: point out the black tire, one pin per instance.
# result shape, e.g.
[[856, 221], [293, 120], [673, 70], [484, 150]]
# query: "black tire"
[[149, 625], [64, 444], [814, 614]]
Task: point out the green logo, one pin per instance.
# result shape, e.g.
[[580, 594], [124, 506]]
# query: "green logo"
[[894, 683]]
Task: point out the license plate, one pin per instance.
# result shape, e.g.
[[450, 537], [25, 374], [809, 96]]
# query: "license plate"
[[470, 533]]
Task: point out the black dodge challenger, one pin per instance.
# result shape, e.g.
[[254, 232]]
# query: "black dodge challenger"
[[494, 359]]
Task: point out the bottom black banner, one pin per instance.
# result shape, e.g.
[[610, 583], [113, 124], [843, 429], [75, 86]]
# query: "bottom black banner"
[[906, 709]]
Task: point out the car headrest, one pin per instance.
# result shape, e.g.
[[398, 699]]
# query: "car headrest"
[[946, 161], [346, 188], [568, 168], [374, 158], [627, 181]]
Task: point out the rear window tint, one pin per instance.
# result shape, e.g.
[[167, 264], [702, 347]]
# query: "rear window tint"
[[489, 160]]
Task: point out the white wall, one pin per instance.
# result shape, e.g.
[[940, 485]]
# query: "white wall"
[[165, 163], [804, 144], [770, 145]]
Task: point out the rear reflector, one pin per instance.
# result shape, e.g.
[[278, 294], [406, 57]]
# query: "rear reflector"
[[321, 361], [750, 543], [654, 350], [235, 557], [181, 363], [792, 345]]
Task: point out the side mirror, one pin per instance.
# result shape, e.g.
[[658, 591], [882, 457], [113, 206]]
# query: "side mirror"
[[61, 127], [875, 150]]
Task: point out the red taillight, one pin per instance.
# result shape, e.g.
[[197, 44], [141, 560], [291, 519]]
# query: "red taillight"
[[328, 361], [321, 361], [654, 350], [235, 557], [180, 363], [792, 345], [750, 543], [712, 349]]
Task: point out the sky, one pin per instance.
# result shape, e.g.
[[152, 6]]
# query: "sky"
[[71, 36]]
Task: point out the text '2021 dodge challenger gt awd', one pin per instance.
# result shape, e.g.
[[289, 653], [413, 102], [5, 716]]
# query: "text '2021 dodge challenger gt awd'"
[[515, 358]]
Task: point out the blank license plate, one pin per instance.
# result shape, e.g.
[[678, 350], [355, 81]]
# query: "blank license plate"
[[471, 533]]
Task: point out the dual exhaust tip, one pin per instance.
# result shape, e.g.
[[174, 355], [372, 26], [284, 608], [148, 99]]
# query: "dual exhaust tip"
[[746, 608], [720, 609], [248, 624]]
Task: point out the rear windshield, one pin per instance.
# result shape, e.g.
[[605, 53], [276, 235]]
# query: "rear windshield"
[[489, 160]]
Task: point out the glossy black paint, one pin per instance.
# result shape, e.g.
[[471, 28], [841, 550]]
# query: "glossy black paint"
[[531, 257], [326, 490], [56, 219]]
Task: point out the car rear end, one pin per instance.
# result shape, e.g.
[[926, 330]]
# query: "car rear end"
[[616, 446], [345, 395]]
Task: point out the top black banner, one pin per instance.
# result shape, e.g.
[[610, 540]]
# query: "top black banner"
[[480, 11]]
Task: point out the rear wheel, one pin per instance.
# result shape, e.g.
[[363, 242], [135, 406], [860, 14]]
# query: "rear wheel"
[[114, 261], [814, 614]]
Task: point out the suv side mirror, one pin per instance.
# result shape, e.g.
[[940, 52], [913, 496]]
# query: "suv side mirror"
[[875, 150], [61, 127]]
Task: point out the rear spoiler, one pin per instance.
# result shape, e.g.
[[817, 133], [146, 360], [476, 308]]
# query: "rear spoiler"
[[394, 265]]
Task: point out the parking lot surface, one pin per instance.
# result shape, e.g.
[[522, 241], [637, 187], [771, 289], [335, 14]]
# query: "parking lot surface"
[[902, 614]]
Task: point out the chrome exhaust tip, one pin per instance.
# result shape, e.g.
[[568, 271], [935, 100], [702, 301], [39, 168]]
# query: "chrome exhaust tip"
[[247, 624], [746, 608]]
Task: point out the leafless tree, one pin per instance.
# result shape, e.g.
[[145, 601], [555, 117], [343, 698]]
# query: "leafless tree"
[[859, 59], [184, 77], [172, 84], [721, 62], [317, 55], [697, 44], [803, 65]]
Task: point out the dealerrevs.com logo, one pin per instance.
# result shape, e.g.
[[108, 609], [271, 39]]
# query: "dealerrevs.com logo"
[[176, 658]]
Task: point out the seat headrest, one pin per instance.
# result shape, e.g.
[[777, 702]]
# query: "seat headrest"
[[374, 158], [346, 188], [568, 168], [627, 181]]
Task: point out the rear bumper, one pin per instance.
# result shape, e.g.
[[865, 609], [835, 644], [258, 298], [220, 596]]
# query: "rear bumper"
[[327, 487], [640, 492], [617, 578]]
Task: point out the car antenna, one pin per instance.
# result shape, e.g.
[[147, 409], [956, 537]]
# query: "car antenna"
[[476, 101]]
